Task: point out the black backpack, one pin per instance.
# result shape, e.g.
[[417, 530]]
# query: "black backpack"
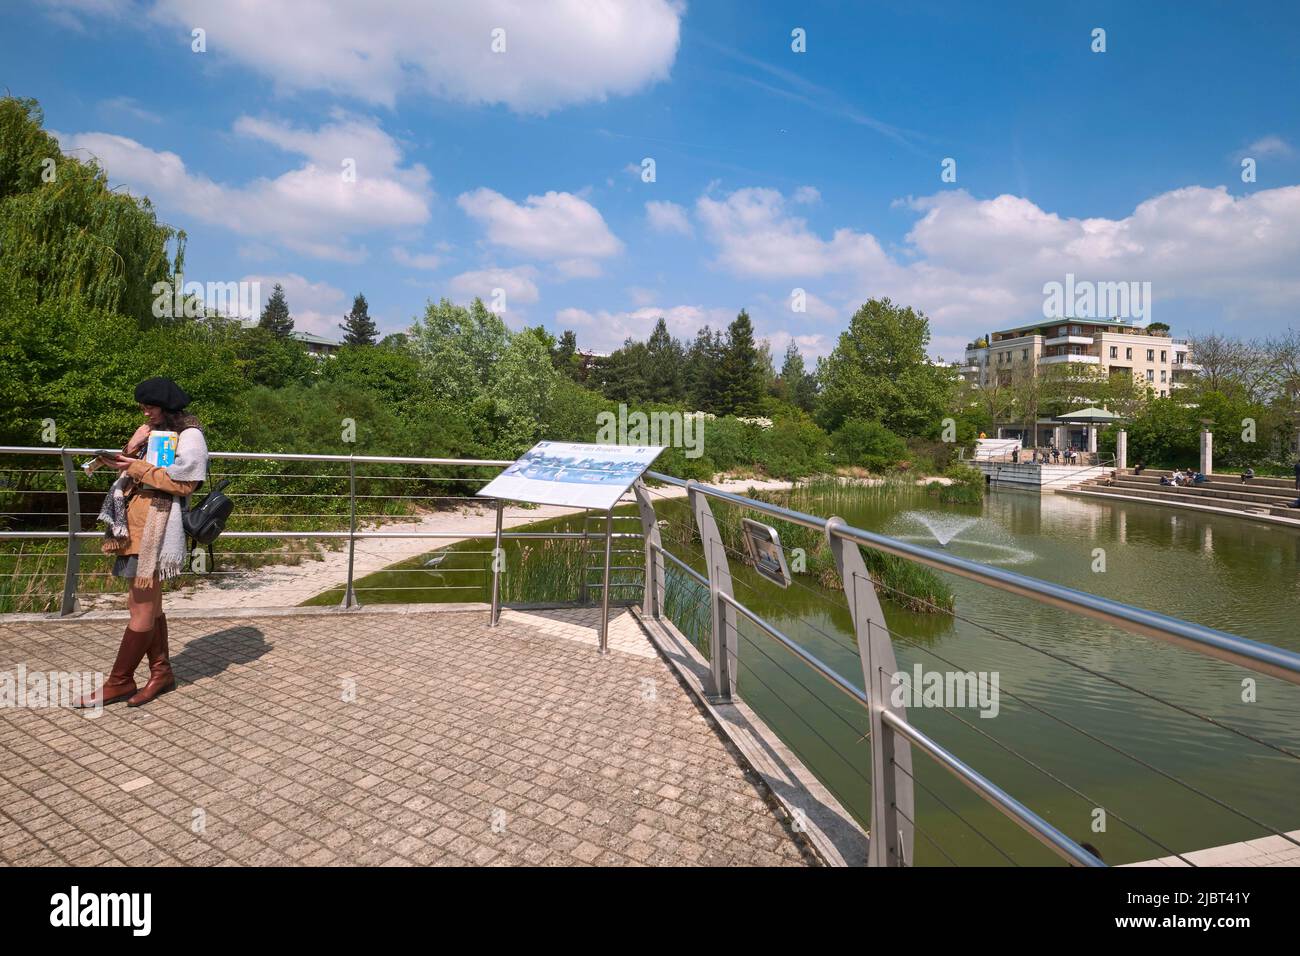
[[205, 521]]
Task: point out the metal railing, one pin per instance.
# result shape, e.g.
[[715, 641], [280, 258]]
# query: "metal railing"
[[892, 735], [74, 535]]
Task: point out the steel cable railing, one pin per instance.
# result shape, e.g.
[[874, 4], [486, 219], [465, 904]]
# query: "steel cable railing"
[[1262, 658], [887, 727]]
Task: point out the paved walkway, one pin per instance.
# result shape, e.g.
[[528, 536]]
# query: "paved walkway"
[[1265, 851], [372, 738]]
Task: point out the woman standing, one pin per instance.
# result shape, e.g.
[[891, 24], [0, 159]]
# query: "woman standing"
[[146, 535]]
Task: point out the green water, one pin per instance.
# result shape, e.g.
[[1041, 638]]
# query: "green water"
[[1088, 732]]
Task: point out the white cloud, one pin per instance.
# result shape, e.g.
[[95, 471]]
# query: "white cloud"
[[558, 227], [756, 236], [296, 208], [605, 331], [974, 264], [557, 52], [128, 106], [1269, 146], [807, 195], [423, 260], [518, 283], [668, 217]]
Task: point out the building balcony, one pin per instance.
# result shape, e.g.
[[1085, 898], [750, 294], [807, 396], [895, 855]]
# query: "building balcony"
[[1069, 340], [1054, 359]]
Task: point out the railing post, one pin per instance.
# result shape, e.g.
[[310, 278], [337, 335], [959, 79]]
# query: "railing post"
[[582, 581], [72, 557], [651, 601], [604, 594], [891, 835], [723, 646], [498, 559], [349, 596]]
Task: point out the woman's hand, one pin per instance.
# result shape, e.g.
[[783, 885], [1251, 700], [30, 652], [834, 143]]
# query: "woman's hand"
[[120, 462], [138, 440]]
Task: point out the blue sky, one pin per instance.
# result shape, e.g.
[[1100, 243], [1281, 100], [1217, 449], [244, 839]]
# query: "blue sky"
[[774, 170]]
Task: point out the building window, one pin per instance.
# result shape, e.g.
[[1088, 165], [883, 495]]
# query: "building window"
[[1128, 353], [1114, 351], [1163, 375], [1163, 393], [1151, 375], [1164, 356], [1151, 355], [1024, 354]]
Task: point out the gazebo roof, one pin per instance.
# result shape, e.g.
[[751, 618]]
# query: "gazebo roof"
[[1089, 416]]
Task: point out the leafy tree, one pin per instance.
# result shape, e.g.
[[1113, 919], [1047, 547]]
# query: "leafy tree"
[[359, 328], [264, 358], [879, 371], [393, 374], [67, 237], [739, 381], [458, 348], [275, 315], [521, 388]]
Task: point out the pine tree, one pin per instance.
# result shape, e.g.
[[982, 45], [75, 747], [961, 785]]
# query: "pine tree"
[[798, 386], [665, 357], [740, 383], [359, 328], [275, 317], [702, 361]]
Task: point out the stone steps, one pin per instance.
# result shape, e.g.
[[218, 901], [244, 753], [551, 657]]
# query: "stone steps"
[[1182, 497]]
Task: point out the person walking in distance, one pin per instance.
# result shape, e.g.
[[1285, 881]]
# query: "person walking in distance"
[[146, 536]]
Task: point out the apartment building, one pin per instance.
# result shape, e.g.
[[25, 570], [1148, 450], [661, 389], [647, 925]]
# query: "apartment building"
[[1115, 347]]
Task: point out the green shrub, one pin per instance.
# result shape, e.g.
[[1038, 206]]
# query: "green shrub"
[[866, 443]]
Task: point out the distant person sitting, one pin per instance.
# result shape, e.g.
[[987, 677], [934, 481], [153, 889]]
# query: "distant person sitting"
[[1015, 456], [1110, 479], [1166, 480], [1246, 475], [1198, 478], [1140, 467]]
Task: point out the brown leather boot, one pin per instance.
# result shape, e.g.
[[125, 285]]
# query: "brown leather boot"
[[161, 678], [121, 679]]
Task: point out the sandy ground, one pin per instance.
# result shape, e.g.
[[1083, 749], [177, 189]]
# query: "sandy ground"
[[286, 585]]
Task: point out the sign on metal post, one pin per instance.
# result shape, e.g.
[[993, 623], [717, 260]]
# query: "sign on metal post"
[[577, 476], [763, 547]]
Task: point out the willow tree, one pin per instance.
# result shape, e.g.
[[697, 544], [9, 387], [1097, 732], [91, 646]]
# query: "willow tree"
[[65, 235]]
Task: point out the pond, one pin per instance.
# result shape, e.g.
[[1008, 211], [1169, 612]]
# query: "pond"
[[1118, 740]]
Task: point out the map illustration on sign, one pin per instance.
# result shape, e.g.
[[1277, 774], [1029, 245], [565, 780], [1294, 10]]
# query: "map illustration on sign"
[[566, 473]]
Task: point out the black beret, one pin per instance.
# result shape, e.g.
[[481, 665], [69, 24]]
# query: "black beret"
[[162, 392]]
